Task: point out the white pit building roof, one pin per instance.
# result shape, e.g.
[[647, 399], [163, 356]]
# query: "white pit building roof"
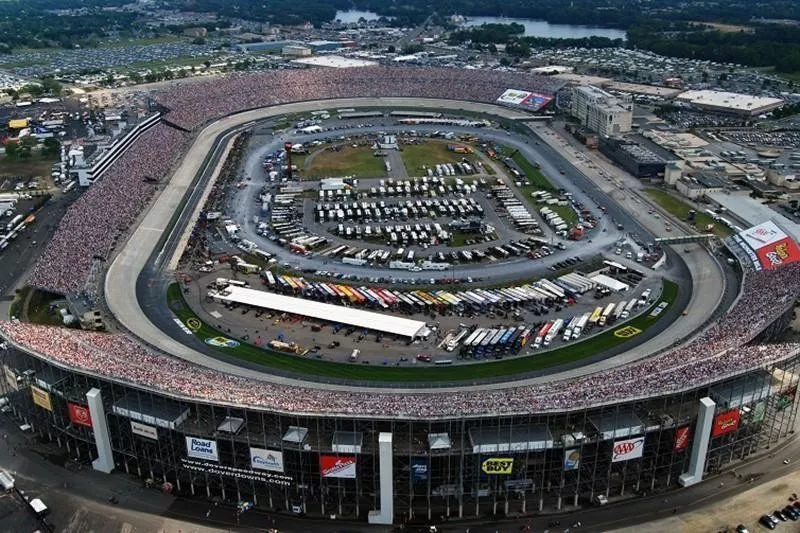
[[386, 323]]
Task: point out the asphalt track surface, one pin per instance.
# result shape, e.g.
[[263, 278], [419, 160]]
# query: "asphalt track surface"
[[139, 269]]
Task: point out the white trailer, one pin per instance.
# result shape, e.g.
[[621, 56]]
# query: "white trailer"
[[578, 328], [553, 332]]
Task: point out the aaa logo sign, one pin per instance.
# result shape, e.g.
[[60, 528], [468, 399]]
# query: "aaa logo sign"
[[497, 466], [627, 332]]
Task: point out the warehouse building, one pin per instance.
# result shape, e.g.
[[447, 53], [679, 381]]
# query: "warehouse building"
[[731, 103], [602, 112], [636, 155]]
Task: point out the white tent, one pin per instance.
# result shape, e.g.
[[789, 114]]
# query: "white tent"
[[611, 283], [331, 313]]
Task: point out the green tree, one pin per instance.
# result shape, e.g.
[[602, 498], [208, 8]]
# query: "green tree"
[[51, 147], [26, 145], [51, 86], [134, 77], [12, 149]]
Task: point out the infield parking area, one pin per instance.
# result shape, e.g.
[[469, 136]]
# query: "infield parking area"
[[309, 365]]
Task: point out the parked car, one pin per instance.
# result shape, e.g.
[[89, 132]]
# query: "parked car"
[[766, 521]]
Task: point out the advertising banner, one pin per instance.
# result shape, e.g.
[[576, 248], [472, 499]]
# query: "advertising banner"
[[759, 411], [787, 398], [682, 436], [513, 96], [41, 398], [497, 466], [143, 430], [419, 469], [337, 466], [236, 473], [625, 450], [778, 253], [572, 459], [202, 448], [762, 235], [725, 423], [262, 459], [11, 377], [79, 414], [536, 101]]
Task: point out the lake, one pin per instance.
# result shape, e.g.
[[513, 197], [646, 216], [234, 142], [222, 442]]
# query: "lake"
[[351, 16], [540, 28]]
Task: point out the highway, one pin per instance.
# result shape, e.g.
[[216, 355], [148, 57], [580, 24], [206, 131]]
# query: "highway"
[[131, 274]]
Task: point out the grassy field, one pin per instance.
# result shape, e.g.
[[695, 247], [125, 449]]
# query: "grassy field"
[[680, 209], [506, 367], [429, 154], [38, 308], [535, 176], [348, 161], [36, 165]]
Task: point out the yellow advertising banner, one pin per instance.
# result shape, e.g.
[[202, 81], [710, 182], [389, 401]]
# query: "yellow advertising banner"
[[496, 466], [41, 398]]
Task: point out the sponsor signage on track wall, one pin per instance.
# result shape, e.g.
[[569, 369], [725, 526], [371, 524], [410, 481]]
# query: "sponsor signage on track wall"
[[202, 448], [725, 423], [79, 414], [778, 253], [498, 466], [261, 459], [337, 466], [625, 450], [41, 398], [143, 430], [682, 436], [572, 459]]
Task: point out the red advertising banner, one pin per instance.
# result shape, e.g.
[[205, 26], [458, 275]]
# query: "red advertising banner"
[[725, 423], [778, 253], [682, 436], [337, 466], [79, 414]]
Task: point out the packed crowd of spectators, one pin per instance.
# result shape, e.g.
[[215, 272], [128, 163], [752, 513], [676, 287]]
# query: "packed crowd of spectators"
[[93, 223], [240, 92], [722, 350]]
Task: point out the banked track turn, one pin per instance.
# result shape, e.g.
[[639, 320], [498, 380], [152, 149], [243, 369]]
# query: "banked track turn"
[[157, 229]]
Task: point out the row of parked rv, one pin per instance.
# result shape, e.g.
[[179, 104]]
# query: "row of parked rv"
[[408, 210], [464, 167], [427, 187], [509, 204]]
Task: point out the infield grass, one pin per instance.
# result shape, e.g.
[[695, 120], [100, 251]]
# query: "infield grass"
[[348, 161], [513, 365], [680, 209], [430, 154]]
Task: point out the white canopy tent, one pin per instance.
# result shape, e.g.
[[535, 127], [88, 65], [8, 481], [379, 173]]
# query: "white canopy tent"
[[386, 323]]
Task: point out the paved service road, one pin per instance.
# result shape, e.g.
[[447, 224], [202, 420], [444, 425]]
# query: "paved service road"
[[168, 214]]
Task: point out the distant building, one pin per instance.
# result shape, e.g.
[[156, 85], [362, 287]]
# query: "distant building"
[[332, 61], [553, 69], [602, 112], [294, 50], [698, 186], [637, 155], [733, 103], [324, 46], [199, 31]]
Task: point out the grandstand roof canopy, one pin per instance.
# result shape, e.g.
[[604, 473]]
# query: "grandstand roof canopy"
[[332, 313], [754, 212]]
